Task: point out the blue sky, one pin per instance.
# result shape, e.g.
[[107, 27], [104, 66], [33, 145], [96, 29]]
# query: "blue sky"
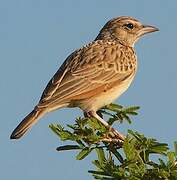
[[35, 38]]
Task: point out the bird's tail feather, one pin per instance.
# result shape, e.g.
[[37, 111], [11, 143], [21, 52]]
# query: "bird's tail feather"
[[27, 123]]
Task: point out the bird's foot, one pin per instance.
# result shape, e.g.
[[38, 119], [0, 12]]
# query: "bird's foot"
[[113, 136], [88, 114]]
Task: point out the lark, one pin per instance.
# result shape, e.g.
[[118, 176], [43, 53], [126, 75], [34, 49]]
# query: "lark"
[[94, 75]]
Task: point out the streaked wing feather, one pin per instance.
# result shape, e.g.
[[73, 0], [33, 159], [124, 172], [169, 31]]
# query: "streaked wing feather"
[[56, 80], [80, 75]]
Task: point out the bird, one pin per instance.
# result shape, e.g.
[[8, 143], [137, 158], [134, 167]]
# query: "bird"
[[94, 75]]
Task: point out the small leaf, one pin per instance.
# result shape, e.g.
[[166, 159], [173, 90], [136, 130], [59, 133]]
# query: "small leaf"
[[80, 143], [162, 163], [72, 126], [95, 124], [132, 113], [174, 173], [107, 113], [68, 147], [117, 154], [100, 154], [127, 118], [175, 146], [131, 109], [136, 135], [83, 153], [66, 135], [99, 173], [114, 106], [160, 148], [171, 156]]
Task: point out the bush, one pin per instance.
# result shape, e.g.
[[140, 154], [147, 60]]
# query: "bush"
[[130, 160]]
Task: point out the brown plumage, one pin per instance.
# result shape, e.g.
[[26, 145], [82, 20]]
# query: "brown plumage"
[[93, 76]]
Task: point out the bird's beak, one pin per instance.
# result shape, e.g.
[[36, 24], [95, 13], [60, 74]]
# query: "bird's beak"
[[147, 29]]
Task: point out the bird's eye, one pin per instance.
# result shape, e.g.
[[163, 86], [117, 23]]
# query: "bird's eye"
[[129, 26]]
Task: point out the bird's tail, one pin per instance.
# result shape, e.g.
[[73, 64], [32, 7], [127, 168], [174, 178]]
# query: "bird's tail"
[[27, 123]]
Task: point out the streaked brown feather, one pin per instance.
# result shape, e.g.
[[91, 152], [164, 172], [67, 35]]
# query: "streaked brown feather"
[[86, 70]]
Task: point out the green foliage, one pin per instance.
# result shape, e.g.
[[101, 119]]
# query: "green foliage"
[[131, 161]]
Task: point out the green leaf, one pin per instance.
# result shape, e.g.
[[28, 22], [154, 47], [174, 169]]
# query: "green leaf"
[[131, 109], [113, 107], [127, 118], [68, 147], [107, 113], [117, 154], [136, 135], [56, 128], [83, 153], [96, 125], [81, 144], [132, 113], [99, 173], [174, 173], [160, 148], [162, 163], [100, 154], [171, 156], [175, 146]]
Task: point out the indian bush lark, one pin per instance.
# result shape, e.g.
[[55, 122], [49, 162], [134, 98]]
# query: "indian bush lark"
[[94, 75]]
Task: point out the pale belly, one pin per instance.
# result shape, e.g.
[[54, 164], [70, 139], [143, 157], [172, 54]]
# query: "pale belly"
[[104, 98]]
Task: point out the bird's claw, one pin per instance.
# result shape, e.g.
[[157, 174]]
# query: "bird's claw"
[[114, 137], [115, 134]]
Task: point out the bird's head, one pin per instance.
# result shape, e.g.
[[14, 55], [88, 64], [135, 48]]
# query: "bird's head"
[[126, 30]]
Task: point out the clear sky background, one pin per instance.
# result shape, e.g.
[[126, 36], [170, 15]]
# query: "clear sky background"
[[35, 38]]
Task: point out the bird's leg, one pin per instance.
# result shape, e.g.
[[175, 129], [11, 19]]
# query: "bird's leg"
[[112, 132]]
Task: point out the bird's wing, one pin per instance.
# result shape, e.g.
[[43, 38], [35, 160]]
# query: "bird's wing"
[[88, 71]]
